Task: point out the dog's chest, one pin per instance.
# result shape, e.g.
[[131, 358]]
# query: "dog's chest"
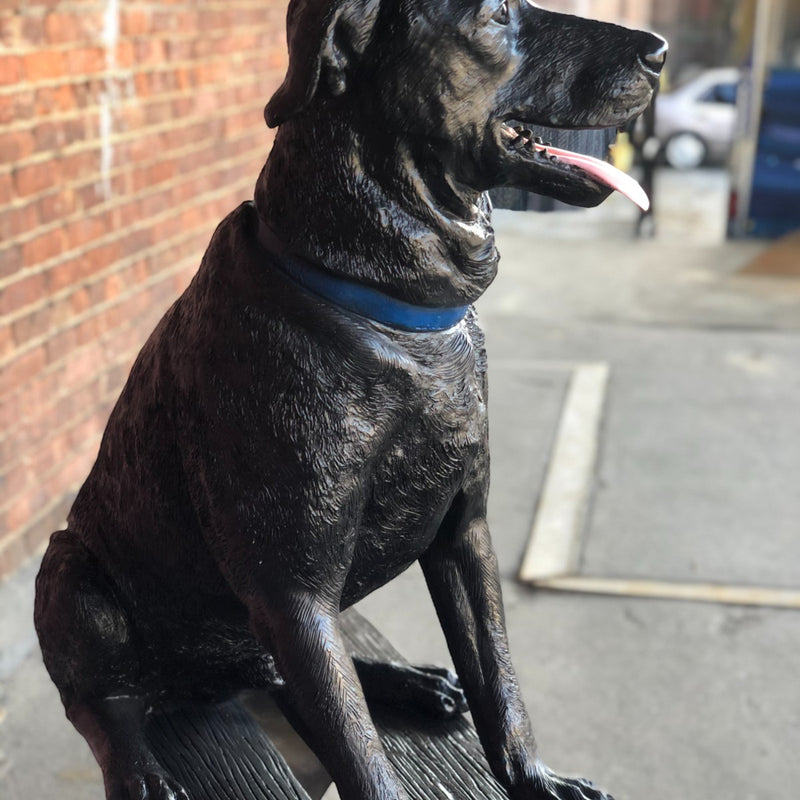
[[439, 444]]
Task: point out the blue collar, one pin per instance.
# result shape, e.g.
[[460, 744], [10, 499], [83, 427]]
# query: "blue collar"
[[356, 297]]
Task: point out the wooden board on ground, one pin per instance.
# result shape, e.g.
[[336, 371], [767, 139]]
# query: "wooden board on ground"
[[781, 259]]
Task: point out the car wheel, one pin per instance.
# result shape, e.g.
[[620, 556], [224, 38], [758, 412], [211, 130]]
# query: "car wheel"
[[685, 151]]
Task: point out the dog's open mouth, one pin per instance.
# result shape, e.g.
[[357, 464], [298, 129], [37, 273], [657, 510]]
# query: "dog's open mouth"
[[525, 144]]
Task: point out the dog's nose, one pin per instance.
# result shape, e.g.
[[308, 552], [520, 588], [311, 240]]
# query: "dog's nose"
[[655, 53]]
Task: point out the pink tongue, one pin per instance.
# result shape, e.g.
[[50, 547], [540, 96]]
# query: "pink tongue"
[[604, 172]]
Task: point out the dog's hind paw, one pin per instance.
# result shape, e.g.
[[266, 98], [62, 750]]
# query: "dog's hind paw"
[[433, 691], [147, 786], [546, 785], [436, 691]]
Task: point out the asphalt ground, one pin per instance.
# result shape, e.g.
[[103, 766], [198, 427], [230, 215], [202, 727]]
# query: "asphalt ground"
[[695, 481]]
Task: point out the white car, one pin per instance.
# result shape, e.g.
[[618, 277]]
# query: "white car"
[[696, 122]]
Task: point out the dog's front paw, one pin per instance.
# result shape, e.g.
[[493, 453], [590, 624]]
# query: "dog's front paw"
[[544, 784], [146, 785]]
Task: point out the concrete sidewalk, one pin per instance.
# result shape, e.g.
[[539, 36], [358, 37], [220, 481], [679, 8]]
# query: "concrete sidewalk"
[[696, 480]]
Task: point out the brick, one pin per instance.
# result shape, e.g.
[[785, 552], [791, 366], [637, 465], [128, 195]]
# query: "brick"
[[6, 188], [79, 301], [150, 52], [136, 242], [81, 366], [7, 103], [9, 419], [52, 453], [10, 70], [86, 60], [79, 165], [36, 396], [50, 100], [134, 22], [10, 260], [158, 113], [10, 26], [88, 331], [48, 136], [6, 348], [125, 55], [33, 178], [33, 29], [91, 194], [96, 294], [44, 65], [83, 94], [22, 369], [101, 257], [31, 326], [16, 146], [141, 83], [61, 345], [86, 229], [61, 28], [113, 287], [57, 205], [64, 98], [24, 291], [67, 272], [44, 247]]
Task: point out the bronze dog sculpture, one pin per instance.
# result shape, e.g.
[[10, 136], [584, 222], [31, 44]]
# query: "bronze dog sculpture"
[[309, 418]]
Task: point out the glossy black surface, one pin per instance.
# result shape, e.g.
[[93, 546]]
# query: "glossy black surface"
[[272, 458]]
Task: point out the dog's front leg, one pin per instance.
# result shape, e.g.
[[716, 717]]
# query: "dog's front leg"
[[324, 694], [461, 572]]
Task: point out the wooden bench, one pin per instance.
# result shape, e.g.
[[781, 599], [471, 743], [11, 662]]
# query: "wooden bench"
[[223, 753]]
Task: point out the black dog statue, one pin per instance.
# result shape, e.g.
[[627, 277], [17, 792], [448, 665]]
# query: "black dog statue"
[[309, 418]]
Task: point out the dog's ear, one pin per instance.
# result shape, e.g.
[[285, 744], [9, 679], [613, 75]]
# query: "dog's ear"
[[325, 38]]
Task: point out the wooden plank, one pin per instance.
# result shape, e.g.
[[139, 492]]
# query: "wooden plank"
[[674, 590], [218, 752]]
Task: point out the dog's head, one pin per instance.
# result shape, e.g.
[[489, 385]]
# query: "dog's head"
[[459, 79]]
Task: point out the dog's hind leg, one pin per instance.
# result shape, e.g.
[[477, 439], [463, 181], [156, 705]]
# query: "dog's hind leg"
[[433, 691], [88, 650]]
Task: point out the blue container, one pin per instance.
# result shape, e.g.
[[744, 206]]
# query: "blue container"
[[775, 199]]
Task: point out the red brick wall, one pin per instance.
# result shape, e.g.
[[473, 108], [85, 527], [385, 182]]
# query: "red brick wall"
[[127, 131]]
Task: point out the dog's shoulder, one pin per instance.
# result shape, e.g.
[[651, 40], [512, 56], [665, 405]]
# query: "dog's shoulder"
[[230, 260]]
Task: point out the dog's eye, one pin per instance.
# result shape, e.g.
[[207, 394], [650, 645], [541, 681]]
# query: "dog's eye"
[[502, 15]]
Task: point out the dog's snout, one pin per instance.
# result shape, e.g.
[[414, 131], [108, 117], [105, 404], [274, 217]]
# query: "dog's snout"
[[654, 52]]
